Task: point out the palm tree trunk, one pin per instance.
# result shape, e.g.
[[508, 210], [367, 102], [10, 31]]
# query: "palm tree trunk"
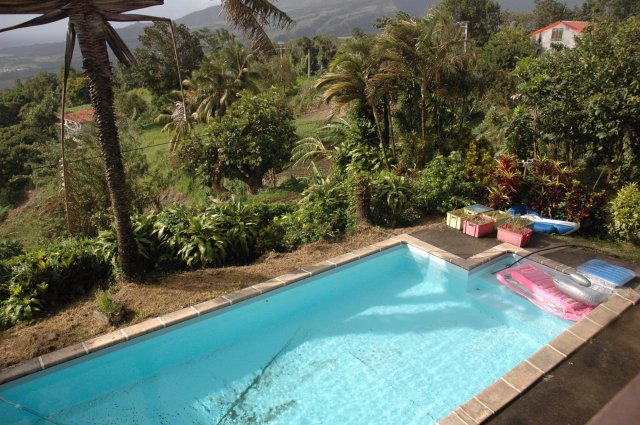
[[96, 63], [376, 118]]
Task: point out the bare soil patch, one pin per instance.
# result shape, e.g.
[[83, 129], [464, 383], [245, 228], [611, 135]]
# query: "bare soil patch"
[[163, 294]]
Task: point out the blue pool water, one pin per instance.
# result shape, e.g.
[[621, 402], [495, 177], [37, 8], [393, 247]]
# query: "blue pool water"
[[394, 338]]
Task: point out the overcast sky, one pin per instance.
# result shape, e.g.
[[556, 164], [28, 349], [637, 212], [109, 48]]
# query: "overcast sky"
[[56, 32]]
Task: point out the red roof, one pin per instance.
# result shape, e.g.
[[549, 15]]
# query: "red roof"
[[577, 26], [86, 115]]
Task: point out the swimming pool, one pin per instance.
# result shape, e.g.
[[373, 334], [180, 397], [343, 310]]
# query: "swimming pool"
[[398, 337]]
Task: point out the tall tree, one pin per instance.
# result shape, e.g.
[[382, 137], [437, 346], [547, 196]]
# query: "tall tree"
[[483, 16], [547, 12], [616, 9], [156, 66]]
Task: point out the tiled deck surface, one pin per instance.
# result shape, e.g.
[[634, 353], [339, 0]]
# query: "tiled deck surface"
[[499, 402]]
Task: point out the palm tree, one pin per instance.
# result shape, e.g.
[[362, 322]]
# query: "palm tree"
[[177, 123], [89, 21], [218, 81], [350, 79], [426, 59]]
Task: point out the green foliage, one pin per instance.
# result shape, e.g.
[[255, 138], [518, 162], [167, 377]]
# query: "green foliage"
[[582, 103], [483, 16], [508, 181], [131, 104], [616, 9], [181, 237], [442, 186], [547, 12], [625, 213], [51, 277], [320, 49], [499, 57], [156, 66], [390, 196], [89, 186], [112, 309], [217, 83], [255, 136], [479, 163], [550, 188], [10, 248], [326, 211], [19, 149]]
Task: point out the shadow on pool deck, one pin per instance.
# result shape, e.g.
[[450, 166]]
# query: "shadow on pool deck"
[[583, 384]]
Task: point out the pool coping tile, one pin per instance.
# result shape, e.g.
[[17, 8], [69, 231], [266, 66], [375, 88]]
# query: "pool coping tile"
[[340, 260], [21, 369], [523, 376], [566, 343], [476, 410], [452, 419], [602, 316], [174, 317], [60, 356], [241, 295], [473, 412], [318, 268], [212, 305], [105, 341], [546, 358], [497, 395], [463, 416], [269, 285]]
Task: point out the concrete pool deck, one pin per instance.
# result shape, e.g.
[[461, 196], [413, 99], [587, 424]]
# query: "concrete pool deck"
[[493, 403]]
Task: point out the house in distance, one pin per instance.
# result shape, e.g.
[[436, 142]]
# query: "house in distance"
[[559, 32]]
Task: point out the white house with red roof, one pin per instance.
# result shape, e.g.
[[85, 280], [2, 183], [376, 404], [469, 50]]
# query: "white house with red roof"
[[73, 121], [560, 32]]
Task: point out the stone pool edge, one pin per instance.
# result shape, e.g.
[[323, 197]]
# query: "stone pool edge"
[[473, 412]]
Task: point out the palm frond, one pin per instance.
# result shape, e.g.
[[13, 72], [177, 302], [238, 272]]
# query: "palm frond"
[[308, 150], [47, 18], [251, 16]]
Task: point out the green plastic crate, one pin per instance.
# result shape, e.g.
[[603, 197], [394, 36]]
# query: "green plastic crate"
[[455, 218], [499, 217]]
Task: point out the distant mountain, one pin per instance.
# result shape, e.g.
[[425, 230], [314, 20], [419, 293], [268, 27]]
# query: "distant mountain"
[[335, 17]]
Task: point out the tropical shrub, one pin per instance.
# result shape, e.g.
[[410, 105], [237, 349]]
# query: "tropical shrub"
[[51, 277], [113, 310], [10, 248], [442, 186], [625, 213], [180, 237], [479, 163], [508, 181], [326, 211], [390, 196]]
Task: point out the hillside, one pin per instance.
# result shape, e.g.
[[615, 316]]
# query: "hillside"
[[335, 17]]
